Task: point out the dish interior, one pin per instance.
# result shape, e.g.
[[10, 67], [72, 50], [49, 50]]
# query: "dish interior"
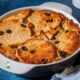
[[38, 36]]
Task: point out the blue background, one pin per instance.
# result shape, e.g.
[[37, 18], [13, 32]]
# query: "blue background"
[[7, 5]]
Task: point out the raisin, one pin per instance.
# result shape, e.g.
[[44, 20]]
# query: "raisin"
[[49, 20], [32, 51], [63, 54], [57, 42], [23, 25], [44, 60], [9, 31], [47, 14], [1, 33], [24, 48], [66, 31]]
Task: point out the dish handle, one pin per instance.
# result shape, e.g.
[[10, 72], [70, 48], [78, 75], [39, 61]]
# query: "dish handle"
[[14, 66], [59, 6]]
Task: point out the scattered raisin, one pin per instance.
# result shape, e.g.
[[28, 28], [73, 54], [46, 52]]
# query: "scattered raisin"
[[49, 20], [66, 31], [63, 54], [44, 60], [9, 31], [1, 33], [23, 25], [32, 51], [57, 42], [24, 48], [47, 14]]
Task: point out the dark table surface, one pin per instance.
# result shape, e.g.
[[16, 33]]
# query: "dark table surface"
[[7, 5]]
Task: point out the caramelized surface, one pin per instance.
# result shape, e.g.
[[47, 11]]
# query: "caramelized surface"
[[38, 36]]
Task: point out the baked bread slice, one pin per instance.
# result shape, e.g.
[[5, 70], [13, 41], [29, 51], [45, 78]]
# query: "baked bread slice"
[[69, 25], [67, 41], [43, 18], [9, 51], [35, 51], [19, 16], [13, 32]]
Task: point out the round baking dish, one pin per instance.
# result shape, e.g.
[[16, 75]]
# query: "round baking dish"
[[39, 70]]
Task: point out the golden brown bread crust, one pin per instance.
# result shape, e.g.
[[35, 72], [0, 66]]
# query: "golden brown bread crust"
[[52, 35], [41, 21], [20, 16], [37, 50], [69, 25], [9, 51], [13, 32], [68, 42]]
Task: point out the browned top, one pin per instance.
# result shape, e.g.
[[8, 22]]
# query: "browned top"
[[36, 51], [38, 36], [12, 32]]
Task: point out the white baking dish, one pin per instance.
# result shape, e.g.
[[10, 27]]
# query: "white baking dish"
[[38, 70]]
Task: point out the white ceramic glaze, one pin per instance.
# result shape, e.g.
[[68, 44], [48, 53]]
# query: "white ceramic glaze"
[[59, 6], [21, 68]]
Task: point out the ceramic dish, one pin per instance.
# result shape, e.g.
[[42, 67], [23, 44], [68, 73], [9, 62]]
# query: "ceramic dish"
[[39, 70]]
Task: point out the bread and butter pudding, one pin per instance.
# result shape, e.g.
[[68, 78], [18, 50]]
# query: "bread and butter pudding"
[[38, 36]]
